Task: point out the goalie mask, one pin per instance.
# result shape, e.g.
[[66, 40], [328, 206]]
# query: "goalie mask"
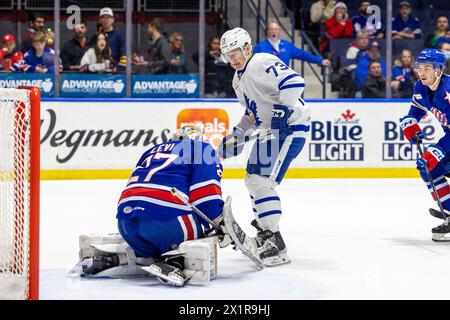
[[191, 131]]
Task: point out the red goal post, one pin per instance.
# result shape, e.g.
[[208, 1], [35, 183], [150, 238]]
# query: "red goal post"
[[19, 192]]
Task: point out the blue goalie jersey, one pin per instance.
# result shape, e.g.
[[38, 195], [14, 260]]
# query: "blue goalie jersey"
[[437, 102], [191, 166]]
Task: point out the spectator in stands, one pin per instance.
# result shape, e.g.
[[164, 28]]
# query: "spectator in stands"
[[284, 49], [360, 22], [10, 59], [178, 59], [99, 58], [218, 74], [444, 46], [321, 11], [40, 58], [403, 75], [357, 50], [74, 49], [342, 79], [375, 84], [36, 21], [159, 53], [114, 37], [442, 30], [337, 26], [404, 25], [362, 68]]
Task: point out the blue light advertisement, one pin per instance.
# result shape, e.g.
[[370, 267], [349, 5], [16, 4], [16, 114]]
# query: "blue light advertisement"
[[165, 86]]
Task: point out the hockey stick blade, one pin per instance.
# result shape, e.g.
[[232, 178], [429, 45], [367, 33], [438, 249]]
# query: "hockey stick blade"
[[438, 214]]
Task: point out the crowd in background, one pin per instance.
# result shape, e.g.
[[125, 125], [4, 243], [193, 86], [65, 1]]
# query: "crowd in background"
[[360, 73]]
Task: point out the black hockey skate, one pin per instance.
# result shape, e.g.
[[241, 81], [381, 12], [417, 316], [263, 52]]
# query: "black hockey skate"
[[94, 265], [271, 247], [438, 214], [440, 232], [169, 271]]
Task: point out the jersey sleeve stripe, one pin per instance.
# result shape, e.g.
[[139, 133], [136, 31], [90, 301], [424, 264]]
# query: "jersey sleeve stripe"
[[293, 85], [283, 81], [414, 99], [204, 192], [204, 183], [415, 104], [205, 199]]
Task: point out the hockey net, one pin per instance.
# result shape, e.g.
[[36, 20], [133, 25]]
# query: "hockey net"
[[19, 193]]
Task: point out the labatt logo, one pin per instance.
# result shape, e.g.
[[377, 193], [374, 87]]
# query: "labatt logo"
[[214, 122], [337, 140]]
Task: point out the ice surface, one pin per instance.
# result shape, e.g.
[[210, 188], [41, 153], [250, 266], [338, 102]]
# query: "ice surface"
[[347, 238]]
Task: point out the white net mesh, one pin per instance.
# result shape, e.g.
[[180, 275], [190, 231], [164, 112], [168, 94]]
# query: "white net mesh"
[[14, 193]]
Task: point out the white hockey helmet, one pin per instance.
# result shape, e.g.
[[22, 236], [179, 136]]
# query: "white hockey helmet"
[[233, 39], [189, 131]]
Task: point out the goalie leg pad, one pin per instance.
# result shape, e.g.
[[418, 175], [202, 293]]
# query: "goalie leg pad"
[[107, 255]]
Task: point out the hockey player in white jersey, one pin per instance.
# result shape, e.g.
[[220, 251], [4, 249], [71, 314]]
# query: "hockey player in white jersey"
[[270, 92]]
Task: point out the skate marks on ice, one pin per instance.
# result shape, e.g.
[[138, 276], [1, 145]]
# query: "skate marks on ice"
[[230, 284]]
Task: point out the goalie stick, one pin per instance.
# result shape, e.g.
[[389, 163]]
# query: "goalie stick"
[[438, 214], [241, 241]]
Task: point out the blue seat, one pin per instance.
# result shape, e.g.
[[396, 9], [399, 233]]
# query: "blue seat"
[[415, 46]]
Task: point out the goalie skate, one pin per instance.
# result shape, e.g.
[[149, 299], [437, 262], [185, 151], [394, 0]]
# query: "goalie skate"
[[167, 274], [441, 233], [244, 243]]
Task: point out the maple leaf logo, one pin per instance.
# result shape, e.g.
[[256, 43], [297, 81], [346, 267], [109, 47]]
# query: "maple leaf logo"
[[348, 115]]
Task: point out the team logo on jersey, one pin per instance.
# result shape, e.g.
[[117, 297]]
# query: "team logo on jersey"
[[214, 123], [251, 109], [127, 210], [338, 139]]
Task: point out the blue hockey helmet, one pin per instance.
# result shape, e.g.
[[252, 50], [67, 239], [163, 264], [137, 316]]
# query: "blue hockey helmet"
[[434, 56]]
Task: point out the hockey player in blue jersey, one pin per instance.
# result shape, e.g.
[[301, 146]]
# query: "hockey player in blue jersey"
[[432, 93], [270, 93], [151, 219]]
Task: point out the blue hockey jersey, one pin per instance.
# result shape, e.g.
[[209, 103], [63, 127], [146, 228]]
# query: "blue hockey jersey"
[[191, 166], [437, 102]]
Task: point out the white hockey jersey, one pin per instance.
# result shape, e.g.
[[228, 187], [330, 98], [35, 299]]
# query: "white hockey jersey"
[[264, 82]]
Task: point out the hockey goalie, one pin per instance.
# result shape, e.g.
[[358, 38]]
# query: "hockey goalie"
[[171, 217]]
